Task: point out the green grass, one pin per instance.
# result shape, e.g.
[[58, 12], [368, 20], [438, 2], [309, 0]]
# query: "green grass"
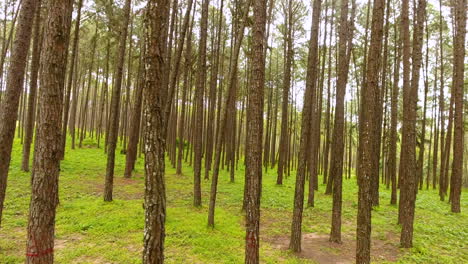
[[89, 230]]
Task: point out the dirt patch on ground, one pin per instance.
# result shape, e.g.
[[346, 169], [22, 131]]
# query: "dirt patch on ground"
[[67, 241], [316, 247], [124, 188], [90, 260]]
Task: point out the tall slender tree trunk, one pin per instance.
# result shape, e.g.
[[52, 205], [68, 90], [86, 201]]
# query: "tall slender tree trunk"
[[135, 120], [157, 16], [36, 50], [199, 90], [230, 98], [392, 160], [66, 108], [304, 151], [408, 144], [458, 84], [253, 162], [367, 136], [283, 146], [186, 87], [14, 87], [115, 105], [336, 169], [44, 194]]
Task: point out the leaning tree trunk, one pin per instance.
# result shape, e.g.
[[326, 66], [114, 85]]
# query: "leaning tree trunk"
[[44, 194], [115, 109], [14, 86]]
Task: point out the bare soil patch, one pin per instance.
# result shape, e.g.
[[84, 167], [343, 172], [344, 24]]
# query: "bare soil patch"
[[318, 248]]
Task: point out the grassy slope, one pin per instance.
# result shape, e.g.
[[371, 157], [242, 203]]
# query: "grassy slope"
[[89, 230]]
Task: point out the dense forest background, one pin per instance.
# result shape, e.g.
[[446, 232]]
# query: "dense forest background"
[[356, 109]]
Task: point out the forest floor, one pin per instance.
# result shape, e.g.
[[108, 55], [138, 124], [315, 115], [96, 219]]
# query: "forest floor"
[[89, 230]]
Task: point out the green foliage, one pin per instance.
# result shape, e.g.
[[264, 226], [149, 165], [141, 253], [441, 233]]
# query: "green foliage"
[[89, 230]]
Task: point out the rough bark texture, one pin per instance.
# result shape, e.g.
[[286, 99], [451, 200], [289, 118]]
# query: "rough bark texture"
[[156, 21], [253, 161], [304, 151], [44, 195], [458, 134], [14, 87], [367, 135], [408, 169], [336, 165], [115, 105]]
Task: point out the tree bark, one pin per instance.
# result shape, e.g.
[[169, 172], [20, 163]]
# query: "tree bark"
[[458, 80], [199, 90], [44, 194], [253, 162], [134, 134], [157, 16], [408, 184], [36, 50], [367, 136], [14, 87], [115, 103], [76, 37], [336, 169], [304, 151]]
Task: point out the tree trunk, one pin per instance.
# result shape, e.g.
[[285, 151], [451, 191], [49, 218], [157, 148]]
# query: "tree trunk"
[[76, 37], [199, 90], [458, 79], [408, 143], [14, 87], [283, 146], [253, 162], [36, 50], [304, 151], [157, 16], [115, 103], [392, 161], [230, 98], [44, 194], [135, 121], [367, 136], [336, 169]]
